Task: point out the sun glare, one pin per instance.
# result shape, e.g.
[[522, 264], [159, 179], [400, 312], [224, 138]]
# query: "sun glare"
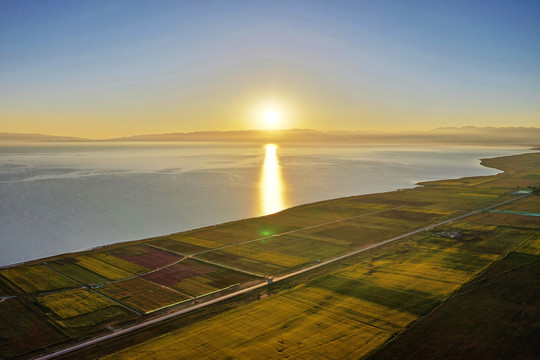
[[272, 197], [271, 118]]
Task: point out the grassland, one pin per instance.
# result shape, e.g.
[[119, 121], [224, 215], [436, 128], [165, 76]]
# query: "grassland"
[[35, 278], [344, 310]]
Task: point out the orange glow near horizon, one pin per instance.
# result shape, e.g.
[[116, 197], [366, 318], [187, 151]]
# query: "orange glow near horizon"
[[271, 187]]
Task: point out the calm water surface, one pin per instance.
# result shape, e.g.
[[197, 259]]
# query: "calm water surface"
[[61, 197]]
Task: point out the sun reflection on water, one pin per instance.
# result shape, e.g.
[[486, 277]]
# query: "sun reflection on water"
[[272, 197]]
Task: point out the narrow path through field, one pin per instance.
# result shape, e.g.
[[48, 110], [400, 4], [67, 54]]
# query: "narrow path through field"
[[231, 268]]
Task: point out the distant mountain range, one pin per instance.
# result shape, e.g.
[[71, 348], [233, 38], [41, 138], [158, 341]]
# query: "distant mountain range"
[[37, 137], [469, 135]]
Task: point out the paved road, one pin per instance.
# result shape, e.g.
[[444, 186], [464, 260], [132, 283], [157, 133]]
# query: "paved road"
[[258, 286]]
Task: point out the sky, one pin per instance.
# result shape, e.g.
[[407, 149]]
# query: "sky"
[[110, 68]]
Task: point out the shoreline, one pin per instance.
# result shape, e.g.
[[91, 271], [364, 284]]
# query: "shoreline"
[[481, 162]]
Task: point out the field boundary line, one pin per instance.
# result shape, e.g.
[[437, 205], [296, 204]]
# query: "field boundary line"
[[174, 314], [83, 286], [229, 267], [296, 230]]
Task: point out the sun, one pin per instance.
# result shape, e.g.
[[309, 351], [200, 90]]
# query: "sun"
[[271, 118]]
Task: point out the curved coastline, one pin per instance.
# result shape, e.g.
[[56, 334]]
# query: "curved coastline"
[[485, 162]]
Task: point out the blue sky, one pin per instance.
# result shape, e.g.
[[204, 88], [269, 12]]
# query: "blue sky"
[[100, 68]]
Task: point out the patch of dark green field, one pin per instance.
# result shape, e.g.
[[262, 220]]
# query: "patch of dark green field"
[[23, 330], [291, 245], [242, 263], [414, 302], [74, 271], [494, 317], [177, 246]]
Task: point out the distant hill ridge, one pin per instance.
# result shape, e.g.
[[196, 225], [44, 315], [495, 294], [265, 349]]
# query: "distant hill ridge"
[[37, 137], [468, 135]]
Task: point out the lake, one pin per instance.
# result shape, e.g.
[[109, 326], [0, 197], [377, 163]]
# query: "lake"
[[62, 197]]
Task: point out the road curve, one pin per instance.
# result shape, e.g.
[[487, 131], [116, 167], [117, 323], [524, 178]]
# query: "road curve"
[[258, 286]]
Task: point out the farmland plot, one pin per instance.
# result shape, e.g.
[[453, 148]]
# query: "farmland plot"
[[142, 295]]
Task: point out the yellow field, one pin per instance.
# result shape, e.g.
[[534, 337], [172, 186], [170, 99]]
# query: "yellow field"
[[404, 281], [36, 278], [280, 326], [431, 270], [266, 256], [210, 244], [194, 286], [75, 302], [428, 210], [365, 311], [532, 246], [477, 194], [462, 225], [120, 263], [99, 267]]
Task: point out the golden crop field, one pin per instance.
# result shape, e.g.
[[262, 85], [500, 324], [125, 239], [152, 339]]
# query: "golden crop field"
[[266, 256], [493, 317], [467, 225], [528, 204], [195, 286], [439, 288], [309, 249], [119, 263], [296, 219], [75, 302], [343, 315], [104, 269], [197, 241], [478, 194], [35, 278], [277, 327], [532, 246]]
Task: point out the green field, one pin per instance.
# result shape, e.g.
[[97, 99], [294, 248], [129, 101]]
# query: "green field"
[[36, 278], [70, 268]]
